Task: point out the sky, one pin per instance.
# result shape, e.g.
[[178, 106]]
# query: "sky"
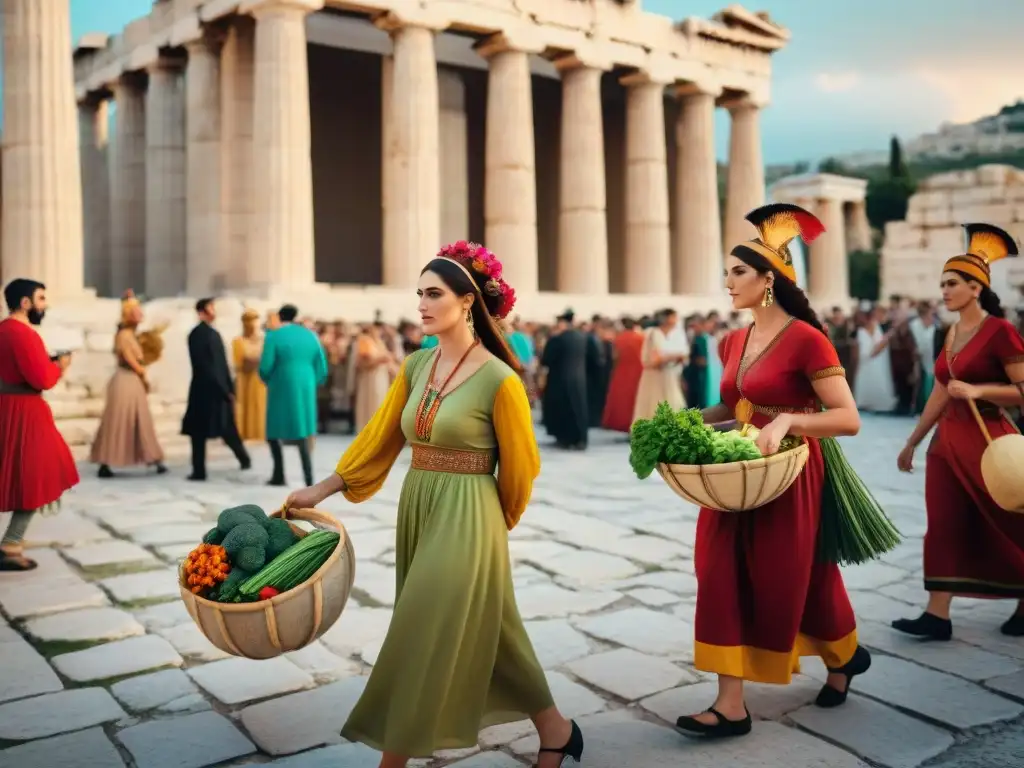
[[855, 73]]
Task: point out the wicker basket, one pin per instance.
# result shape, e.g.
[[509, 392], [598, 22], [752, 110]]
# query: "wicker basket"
[[738, 486], [1001, 464], [289, 621]]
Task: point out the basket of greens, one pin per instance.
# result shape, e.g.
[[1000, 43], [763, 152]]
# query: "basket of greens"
[[721, 470], [259, 586]]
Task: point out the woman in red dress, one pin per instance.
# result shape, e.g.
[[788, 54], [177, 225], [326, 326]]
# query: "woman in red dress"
[[972, 547], [36, 466], [763, 597], [629, 366]]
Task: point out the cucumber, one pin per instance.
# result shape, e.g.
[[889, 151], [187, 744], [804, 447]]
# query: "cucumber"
[[294, 565]]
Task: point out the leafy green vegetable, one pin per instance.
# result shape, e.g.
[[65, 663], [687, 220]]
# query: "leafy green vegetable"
[[682, 437]]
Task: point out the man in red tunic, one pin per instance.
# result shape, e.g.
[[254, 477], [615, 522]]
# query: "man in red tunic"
[[36, 466]]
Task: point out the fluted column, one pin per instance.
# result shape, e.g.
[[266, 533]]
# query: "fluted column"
[[412, 154], [165, 179], [42, 179], [648, 237], [829, 281], [282, 248], [128, 186], [510, 174], [697, 261], [745, 180], [582, 217], [92, 146], [454, 150], [204, 254], [236, 193]]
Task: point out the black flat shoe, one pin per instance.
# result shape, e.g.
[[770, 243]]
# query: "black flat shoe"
[[1014, 626], [723, 729], [161, 469], [829, 697], [196, 478], [104, 472], [573, 747], [276, 481], [927, 626], [16, 563]]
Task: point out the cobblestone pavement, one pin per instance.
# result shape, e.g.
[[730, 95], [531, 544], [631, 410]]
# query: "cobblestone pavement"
[[101, 666]]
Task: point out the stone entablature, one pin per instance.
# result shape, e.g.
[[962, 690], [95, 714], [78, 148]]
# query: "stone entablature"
[[729, 53]]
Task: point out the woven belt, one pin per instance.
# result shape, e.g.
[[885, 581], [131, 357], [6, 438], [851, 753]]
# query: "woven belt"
[[17, 389], [433, 458], [775, 410]]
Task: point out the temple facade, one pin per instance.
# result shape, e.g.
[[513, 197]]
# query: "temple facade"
[[283, 147]]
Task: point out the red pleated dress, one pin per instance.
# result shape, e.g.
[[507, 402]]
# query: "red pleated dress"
[[625, 381], [36, 466], [972, 547], [763, 598]]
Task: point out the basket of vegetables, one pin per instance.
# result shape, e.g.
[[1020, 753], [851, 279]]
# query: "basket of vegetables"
[[259, 586], [721, 470]]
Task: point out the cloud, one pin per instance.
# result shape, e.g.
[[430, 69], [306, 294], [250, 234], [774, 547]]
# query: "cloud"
[[836, 82], [972, 92]]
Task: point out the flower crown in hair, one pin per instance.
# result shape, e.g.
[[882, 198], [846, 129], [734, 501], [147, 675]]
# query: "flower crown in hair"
[[477, 259]]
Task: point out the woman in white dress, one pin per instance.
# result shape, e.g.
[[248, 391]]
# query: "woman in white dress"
[[661, 379], [874, 388]]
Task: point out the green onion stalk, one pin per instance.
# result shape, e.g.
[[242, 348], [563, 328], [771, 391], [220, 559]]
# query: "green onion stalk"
[[853, 527]]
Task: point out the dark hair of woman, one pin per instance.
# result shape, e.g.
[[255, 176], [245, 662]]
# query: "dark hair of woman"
[[628, 323], [988, 300], [487, 330], [788, 294]]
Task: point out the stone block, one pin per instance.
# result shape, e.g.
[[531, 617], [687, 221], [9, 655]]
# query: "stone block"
[[304, 720], [556, 642], [939, 217], [979, 195], [85, 749], [488, 760], [654, 597], [947, 239], [872, 575], [193, 741], [337, 756], [901, 234], [157, 689], [51, 593], [234, 681], [64, 529], [55, 713], [23, 670], [164, 615], [925, 200], [993, 213], [628, 674], [191, 643], [642, 630], [122, 657], [1008, 685], [541, 600], [876, 732], [915, 217], [993, 175], [109, 553], [145, 585], [355, 629], [322, 664], [950, 180], [172, 533], [85, 624]]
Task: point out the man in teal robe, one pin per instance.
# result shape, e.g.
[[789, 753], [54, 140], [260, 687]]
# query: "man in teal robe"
[[293, 366]]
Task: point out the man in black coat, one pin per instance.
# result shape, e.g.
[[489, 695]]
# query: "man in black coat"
[[211, 396], [567, 356]]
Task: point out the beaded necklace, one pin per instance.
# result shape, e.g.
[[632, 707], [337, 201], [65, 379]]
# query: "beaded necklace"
[[430, 402]]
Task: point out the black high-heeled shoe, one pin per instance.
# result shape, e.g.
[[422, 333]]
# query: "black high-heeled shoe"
[[724, 728], [573, 747], [1013, 626], [829, 697]]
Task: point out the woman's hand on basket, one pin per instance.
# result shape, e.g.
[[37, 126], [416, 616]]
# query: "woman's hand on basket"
[[905, 461], [770, 438], [961, 390], [306, 498]]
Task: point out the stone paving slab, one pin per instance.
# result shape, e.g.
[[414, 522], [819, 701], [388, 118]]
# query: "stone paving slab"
[[122, 657], [765, 702], [57, 713], [85, 624], [628, 674], [147, 585], [193, 741], [1008, 685], [642, 630], [23, 671], [876, 732], [157, 689], [108, 553], [163, 615], [235, 681], [62, 529], [338, 756], [85, 749], [556, 642], [172, 533], [50, 593], [191, 643]]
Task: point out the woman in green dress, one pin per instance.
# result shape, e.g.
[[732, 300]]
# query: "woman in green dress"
[[456, 657]]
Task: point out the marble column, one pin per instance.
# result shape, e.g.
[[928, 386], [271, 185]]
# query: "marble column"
[[510, 174], [165, 180], [648, 235], [388, 172], [93, 130], [858, 228], [412, 155], [204, 257], [745, 181], [454, 147], [42, 178], [282, 171], [829, 279], [236, 194], [697, 258], [127, 168], [582, 218]]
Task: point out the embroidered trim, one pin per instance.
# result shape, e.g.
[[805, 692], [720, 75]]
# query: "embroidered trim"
[[745, 364], [434, 458], [775, 410], [825, 373], [1014, 360]]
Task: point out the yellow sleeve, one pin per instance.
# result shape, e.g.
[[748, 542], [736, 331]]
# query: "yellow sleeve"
[[365, 465], [238, 353], [518, 457]]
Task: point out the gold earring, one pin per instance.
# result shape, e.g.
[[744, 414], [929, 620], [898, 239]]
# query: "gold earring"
[[469, 321], [769, 297]]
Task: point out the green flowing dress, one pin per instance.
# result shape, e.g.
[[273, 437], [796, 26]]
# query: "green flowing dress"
[[456, 657]]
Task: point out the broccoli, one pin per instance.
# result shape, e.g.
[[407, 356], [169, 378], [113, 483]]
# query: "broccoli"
[[281, 537], [227, 590], [249, 534], [230, 518], [213, 536], [255, 513], [251, 558]]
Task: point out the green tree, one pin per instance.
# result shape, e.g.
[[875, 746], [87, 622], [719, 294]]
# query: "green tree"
[[897, 166], [865, 275], [831, 165]]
